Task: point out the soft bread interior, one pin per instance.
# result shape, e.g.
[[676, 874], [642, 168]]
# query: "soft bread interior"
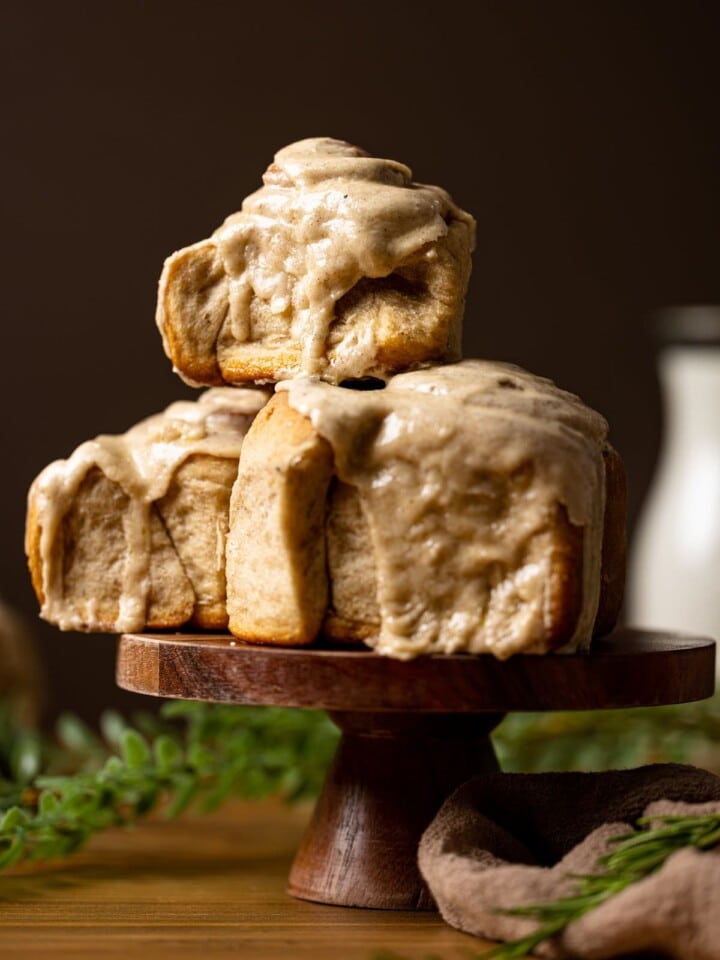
[[195, 513]]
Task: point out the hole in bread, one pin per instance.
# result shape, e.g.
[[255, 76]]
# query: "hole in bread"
[[408, 283], [509, 383], [406, 287], [364, 383]]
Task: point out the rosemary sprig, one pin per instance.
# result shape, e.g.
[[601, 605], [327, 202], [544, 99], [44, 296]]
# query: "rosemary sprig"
[[636, 855], [191, 754], [593, 740]]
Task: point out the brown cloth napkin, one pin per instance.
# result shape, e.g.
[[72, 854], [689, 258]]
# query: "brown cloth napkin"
[[511, 839]]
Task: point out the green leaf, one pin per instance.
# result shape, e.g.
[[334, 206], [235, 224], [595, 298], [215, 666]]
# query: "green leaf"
[[113, 767], [201, 757], [48, 803], [185, 788], [26, 758], [168, 754], [134, 748], [113, 726], [13, 854], [13, 818], [74, 733]]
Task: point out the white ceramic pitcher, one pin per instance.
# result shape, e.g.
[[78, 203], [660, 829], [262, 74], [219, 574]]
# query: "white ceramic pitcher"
[[674, 570]]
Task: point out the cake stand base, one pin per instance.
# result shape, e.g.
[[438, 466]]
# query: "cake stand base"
[[389, 777], [411, 732]]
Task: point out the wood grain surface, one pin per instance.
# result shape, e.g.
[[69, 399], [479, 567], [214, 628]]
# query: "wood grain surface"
[[211, 887], [627, 668], [390, 775]]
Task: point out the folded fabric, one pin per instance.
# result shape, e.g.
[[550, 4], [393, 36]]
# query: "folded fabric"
[[508, 840]]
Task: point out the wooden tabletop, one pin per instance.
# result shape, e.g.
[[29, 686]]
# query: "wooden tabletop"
[[210, 887]]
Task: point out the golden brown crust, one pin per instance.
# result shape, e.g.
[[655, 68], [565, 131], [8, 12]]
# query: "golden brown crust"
[[33, 533], [276, 571], [412, 317], [191, 308], [560, 545], [258, 362]]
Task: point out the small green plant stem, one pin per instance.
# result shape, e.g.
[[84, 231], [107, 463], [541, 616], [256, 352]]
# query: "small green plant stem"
[[221, 751]]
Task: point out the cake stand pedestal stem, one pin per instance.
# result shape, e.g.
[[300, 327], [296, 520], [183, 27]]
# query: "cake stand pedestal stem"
[[391, 773]]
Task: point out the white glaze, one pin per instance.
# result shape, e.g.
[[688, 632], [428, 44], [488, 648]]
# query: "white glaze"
[[420, 452], [142, 462]]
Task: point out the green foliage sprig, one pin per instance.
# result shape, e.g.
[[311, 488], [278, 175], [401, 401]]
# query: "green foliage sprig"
[[636, 855], [54, 797], [609, 739]]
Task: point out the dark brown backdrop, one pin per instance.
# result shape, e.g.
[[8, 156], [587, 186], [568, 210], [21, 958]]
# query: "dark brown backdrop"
[[583, 136]]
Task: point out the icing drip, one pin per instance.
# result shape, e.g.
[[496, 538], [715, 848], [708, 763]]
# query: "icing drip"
[[327, 215], [432, 456], [142, 462]]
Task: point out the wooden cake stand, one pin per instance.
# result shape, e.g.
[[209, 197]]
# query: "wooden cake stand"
[[412, 732]]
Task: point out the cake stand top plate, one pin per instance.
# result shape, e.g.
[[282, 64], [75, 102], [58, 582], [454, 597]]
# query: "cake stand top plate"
[[627, 668]]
